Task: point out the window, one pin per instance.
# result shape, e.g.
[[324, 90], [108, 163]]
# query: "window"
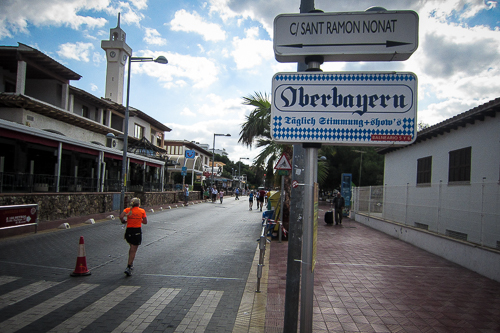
[[85, 111], [138, 131], [424, 170], [10, 86], [459, 168]]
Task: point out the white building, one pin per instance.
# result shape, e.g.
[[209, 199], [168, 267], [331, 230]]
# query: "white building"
[[446, 183], [56, 137]]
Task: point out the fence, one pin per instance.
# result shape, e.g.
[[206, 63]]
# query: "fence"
[[468, 212], [28, 183]]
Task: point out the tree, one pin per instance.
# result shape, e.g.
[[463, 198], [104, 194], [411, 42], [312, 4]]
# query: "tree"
[[257, 128]]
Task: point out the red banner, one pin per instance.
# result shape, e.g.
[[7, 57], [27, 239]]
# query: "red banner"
[[18, 215]]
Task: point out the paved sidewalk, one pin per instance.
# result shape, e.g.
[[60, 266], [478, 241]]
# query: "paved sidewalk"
[[367, 281]]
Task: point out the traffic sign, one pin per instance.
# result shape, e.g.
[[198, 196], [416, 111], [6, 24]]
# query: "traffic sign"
[[283, 172], [344, 108], [190, 154], [283, 163], [354, 36]]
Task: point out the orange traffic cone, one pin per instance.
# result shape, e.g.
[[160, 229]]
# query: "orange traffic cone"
[[81, 261]]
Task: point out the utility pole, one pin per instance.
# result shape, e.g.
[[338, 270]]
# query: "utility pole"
[[292, 289]]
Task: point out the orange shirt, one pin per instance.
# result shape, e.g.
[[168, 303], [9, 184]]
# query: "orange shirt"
[[134, 220]]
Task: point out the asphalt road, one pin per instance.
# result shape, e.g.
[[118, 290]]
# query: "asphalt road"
[[189, 276]]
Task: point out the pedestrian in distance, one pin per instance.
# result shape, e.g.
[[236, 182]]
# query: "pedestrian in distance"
[[250, 200], [186, 194], [262, 195], [338, 204], [214, 194], [136, 217], [237, 193], [221, 196]]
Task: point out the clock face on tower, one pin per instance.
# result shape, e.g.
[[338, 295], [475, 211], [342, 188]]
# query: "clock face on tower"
[[124, 57], [112, 54]]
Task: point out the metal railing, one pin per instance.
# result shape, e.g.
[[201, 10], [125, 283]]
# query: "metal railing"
[[469, 212], [11, 182]]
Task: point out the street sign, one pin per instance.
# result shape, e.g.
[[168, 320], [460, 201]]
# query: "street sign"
[[184, 168], [190, 153], [283, 163], [344, 108], [283, 172], [355, 36]]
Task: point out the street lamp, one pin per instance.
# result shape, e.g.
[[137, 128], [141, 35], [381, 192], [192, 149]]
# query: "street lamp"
[[360, 163], [213, 155], [239, 169], [160, 60]]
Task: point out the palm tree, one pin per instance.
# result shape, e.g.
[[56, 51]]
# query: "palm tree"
[[257, 129]]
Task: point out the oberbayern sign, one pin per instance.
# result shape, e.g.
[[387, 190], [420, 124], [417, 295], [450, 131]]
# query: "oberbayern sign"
[[356, 36], [344, 108]]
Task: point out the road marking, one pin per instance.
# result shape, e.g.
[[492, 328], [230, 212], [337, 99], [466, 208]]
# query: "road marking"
[[142, 317], [198, 317], [195, 277], [31, 315], [88, 315], [33, 265], [382, 265], [25, 292], [4, 279]]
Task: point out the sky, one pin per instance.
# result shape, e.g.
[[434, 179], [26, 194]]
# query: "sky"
[[220, 51]]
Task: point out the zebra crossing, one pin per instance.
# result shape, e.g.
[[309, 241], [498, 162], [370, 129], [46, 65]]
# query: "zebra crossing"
[[196, 319]]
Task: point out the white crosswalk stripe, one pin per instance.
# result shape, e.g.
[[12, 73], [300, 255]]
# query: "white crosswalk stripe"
[[29, 316], [85, 317], [25, 292], [7, 279], [142, 317], [198, 317]]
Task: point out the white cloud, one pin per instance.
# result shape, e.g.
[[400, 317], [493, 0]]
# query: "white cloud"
[[76, 51], [94, 87], [250, 52], [218, 106], [98, 58], [15, 15], [186, 112], [153, 37], [193, 22], [201, 72]]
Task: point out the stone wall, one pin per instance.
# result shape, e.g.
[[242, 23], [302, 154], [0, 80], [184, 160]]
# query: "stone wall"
[[59, 206]]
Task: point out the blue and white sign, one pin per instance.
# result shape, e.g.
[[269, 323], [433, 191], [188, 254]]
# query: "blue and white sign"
[[344, 108], [190, 154]]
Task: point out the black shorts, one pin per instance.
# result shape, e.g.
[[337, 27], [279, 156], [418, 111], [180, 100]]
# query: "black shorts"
[[261, 199], [133, 236]]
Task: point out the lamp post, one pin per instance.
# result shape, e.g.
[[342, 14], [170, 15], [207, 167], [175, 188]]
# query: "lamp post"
[[360, 163], [239, 169], [213, 155], [160, 60]]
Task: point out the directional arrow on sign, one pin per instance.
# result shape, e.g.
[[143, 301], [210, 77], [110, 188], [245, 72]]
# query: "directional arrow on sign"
[[388, 43]]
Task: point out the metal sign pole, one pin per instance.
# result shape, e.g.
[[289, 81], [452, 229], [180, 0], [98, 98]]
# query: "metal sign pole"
[[307, 283], [282, 198]]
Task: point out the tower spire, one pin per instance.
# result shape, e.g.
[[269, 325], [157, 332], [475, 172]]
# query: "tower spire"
[[118, 25]]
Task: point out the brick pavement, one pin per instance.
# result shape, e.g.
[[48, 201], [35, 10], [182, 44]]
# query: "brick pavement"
[[367, 281]]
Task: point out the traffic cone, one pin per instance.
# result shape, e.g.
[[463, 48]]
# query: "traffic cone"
[[81, 261]]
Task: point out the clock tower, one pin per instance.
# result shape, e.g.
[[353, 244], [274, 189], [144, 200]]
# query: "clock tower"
[[117, 53]]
